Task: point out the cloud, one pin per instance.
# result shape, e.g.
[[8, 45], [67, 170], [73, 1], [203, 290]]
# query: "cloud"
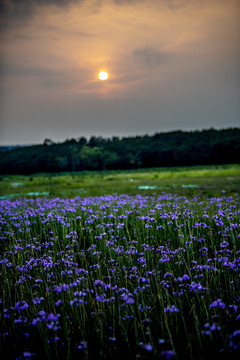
[[19, 71], [149, 56], [23, 9], [171, 4], [48, 78], [127, 2], [13, 12]]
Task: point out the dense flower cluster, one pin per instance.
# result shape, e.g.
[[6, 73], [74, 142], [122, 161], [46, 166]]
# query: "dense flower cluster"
[[119, 273]]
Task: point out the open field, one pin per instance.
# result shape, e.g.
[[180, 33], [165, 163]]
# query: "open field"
[[151, 274], [208, 180], [154, 277]]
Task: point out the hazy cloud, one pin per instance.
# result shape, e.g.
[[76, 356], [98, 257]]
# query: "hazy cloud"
[[13, 70], [23, 9], [127, 2], [172, 4], [149, 56], [18, 9], [35, 72], [46, 77]]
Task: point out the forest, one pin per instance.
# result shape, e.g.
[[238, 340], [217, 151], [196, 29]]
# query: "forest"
[[166, 149]]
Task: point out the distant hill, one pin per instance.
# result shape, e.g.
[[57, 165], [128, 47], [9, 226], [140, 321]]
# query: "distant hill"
[[11, 147], [176, 148]]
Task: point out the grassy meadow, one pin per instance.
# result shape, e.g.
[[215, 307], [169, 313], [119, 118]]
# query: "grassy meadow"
[[207, 180], [136, 264]]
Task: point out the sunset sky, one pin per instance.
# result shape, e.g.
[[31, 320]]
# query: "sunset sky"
[[172, 64]]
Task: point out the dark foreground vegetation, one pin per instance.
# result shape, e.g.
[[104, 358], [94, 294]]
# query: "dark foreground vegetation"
[[114, 277], [178, 148]]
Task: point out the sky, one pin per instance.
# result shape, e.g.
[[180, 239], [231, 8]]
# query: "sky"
[[172, 64]]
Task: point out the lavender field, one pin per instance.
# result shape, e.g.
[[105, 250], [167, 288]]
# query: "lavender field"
[[140, 277]]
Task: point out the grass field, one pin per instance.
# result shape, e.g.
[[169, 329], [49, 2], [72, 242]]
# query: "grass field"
[[140, 277], [152, 275], [208, 180]]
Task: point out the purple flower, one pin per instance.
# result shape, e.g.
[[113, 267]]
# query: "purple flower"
[[147, 347], [217, 304], [129, 301], [82, 345], [171, 309], [59, 302], [234, 340], [167, 355], [21, 305], [27, 354], [184, 278], [37, 300]]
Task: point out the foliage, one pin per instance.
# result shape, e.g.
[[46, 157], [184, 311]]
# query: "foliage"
[[177, 148]]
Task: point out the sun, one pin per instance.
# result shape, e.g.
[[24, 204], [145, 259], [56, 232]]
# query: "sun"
[[103, 75]]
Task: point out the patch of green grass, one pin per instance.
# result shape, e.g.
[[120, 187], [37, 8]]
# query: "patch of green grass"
[[209, 180]]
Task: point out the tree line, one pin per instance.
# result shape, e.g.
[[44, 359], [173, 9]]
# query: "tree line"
[[167, 149]]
